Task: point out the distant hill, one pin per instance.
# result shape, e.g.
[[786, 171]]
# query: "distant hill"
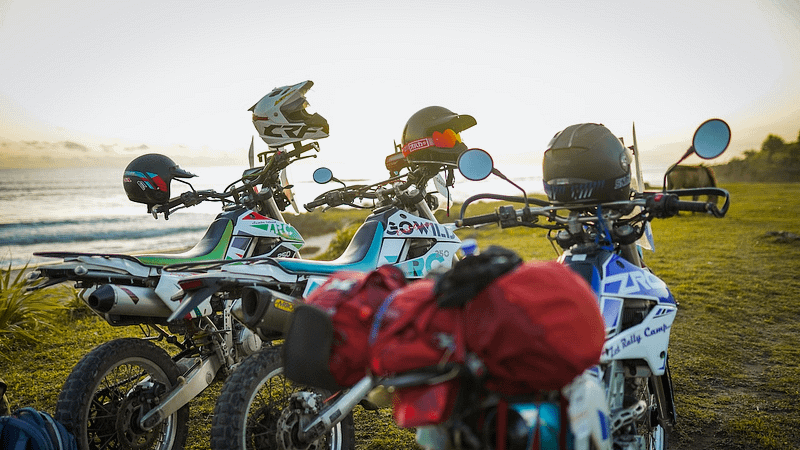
[[777, 161]]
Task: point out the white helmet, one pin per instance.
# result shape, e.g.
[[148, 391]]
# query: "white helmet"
[[280, 117]]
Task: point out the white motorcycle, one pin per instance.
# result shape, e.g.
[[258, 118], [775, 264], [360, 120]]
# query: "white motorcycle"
[[130, 393], [602, 242]]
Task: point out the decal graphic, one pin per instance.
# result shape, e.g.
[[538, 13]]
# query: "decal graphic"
[[255, 216], [625, 279], [418, 267], [412, 226], [280, 229], [660, 329], [133, 296], [290, 131], [284, 305]]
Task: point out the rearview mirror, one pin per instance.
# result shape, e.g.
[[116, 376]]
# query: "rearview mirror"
[[475, 164], [711, 138], [322, 175]]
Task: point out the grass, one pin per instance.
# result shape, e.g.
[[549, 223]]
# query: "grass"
[[734, 353]]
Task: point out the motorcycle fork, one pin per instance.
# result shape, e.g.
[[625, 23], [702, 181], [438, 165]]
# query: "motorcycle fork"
[[661, 386]]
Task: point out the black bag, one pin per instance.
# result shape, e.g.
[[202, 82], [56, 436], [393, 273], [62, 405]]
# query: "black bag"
[[4, 408], [29, 429]]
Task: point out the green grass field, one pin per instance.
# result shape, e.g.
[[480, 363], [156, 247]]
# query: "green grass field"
[[735, 348]]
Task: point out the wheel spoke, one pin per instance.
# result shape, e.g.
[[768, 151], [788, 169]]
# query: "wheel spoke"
[[111, 388]]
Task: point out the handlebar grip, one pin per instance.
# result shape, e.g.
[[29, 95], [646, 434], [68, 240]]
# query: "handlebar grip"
[[177, 201], [692, 206], [313, 204], [478, 220]]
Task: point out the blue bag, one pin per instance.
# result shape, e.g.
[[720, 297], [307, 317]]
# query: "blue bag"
[[29, 429]]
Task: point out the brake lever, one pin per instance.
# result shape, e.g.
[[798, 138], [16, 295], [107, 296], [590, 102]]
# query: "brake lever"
[[305, 157]]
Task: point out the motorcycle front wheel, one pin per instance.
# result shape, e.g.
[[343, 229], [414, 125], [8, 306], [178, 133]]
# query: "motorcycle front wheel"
[[653, 431], [251, 409], [111, 388]]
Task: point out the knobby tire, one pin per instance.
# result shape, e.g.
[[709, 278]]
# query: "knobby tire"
[[247, 410], [110, 388]]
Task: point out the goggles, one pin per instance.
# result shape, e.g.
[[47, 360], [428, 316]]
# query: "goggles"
[[446, 139]]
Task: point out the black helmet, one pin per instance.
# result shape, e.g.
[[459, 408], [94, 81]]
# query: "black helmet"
[[586, 163], [147, 178], [280, 117], [431, 135]]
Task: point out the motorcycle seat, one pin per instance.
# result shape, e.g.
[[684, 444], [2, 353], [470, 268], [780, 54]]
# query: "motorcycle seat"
[[212, 246], [361, 254]]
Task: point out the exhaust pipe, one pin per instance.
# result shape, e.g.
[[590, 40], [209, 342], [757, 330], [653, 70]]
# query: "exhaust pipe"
[[265, 312], [127, 301]]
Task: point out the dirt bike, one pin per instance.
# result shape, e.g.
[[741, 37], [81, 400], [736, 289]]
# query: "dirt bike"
[[401, 230], [599, 241], [130, 392]]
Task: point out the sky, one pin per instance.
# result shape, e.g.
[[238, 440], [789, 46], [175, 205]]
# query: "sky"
[[98, 82]]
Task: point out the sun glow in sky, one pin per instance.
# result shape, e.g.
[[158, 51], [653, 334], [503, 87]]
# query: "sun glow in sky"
[[89, 79]]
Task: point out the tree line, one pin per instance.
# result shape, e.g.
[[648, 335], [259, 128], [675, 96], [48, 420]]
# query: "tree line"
[[776, 161]]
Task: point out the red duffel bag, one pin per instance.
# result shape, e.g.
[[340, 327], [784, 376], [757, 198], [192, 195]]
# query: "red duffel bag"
[[535, 328], [327, 341]]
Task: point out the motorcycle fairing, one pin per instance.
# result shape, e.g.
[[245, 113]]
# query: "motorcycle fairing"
[[618, 281], [623, 279], [619, 277], [647, 341], [252, 223]]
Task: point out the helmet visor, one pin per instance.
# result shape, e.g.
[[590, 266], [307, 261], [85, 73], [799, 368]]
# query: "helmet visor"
[[446, 139]]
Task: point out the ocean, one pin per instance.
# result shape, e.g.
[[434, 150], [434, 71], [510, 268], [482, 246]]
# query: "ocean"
[[86, 209]]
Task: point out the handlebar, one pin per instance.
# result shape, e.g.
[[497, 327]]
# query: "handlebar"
[[274, 162], [657, 204], [348, 194], [667, 204], [338, 197]]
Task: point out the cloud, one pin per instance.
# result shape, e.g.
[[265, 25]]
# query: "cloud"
[[137, 149], [35, 144], [74, 146]]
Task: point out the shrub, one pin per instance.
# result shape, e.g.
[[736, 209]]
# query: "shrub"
[[24, 312], [339, 243]]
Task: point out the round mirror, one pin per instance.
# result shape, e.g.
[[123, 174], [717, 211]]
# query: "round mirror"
[[475, 164], [322, 175], [711, 138]]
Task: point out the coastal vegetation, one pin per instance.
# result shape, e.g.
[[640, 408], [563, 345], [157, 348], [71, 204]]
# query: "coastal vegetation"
[[776, 161]]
